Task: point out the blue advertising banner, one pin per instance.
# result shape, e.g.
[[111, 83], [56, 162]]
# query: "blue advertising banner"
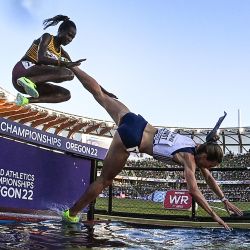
[[36, 178], [32, 135]]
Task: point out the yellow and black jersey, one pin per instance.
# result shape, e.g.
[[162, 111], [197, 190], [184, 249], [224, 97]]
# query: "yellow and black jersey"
[[32, 53]]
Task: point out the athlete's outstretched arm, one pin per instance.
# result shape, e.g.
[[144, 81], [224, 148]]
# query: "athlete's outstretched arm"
[[198, 196], [187, 160], [216, 189]]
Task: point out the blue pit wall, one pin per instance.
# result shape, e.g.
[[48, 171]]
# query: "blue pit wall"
[[42, 174]]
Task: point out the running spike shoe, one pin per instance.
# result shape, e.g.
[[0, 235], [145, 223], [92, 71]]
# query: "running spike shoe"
[[29, 86], [21, 100], [71, 219]]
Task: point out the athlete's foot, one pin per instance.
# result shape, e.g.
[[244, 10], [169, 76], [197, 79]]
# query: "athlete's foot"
[[70, 219], [21, 100], [29, 86]]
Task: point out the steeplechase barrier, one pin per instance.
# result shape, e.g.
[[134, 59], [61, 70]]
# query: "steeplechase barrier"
[[42, 173]]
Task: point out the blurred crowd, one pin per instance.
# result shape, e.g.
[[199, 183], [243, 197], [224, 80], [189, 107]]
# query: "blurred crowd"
[[139, 184]]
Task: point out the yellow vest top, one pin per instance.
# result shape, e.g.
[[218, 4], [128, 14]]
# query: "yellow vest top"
[[32, 52]]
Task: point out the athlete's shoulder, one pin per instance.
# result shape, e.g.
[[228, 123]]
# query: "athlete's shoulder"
[[46, 36], [45, 39]]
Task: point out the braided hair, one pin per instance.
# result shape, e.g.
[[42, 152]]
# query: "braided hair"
[[66, 23]]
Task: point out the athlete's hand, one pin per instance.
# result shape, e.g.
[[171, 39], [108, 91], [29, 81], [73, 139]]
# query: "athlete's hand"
[[221, 222], [231, 208], [73, 64]]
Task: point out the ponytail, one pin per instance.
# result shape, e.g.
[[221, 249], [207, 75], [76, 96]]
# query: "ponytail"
[[54, 21]]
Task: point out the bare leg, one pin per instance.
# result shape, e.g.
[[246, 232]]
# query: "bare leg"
[[117, 155], [47, 73], [113, 164], [115, 108], [48, 93]]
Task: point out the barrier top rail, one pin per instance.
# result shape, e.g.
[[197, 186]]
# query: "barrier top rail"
[[35, 136]]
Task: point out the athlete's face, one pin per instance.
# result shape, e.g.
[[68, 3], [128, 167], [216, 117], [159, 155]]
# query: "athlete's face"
[[202, 161], [66, 36]]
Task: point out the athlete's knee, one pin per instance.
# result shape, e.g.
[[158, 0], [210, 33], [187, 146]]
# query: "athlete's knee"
[[67, 96], [63, 95], [66, 75], [71, 75], [17, 87], [105, 181]]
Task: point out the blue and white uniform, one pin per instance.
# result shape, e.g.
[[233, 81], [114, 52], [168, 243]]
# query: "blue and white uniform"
[[167, 143]]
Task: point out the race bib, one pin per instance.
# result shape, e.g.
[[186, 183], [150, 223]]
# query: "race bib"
[[165, 137], [51, 55], [27, 64]]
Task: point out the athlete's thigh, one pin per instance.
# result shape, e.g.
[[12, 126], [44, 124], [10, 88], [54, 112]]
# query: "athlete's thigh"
[[115, 160], [115, 108], [46, 73], [45, 88], [41, 69]]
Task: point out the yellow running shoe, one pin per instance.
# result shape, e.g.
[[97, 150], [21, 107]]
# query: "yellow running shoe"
[[21, 100], [29, 86], [71, 219]]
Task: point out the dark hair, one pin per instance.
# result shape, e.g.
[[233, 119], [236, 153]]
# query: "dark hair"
[[213, 151], [66, 23]]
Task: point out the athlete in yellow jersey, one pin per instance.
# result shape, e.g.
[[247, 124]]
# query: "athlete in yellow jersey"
[[44, 62]]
